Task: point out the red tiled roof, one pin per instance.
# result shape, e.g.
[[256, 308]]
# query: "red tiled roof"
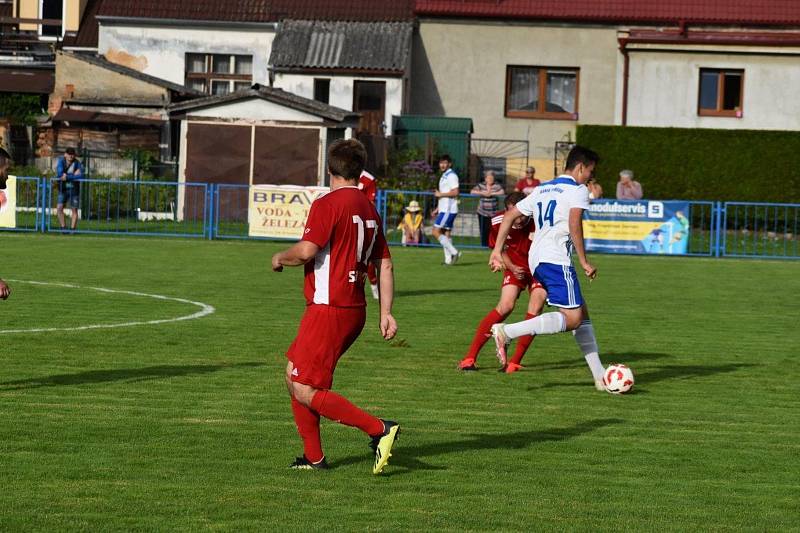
[[716, 12], [262, 10]]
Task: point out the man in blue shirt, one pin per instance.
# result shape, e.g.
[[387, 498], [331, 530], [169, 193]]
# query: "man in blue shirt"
[[69, 172]]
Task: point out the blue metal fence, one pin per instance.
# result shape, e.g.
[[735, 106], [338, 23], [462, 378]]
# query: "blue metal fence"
[[220, 211]]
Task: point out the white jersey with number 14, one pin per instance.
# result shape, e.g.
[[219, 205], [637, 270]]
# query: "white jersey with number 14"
[[549, 205]]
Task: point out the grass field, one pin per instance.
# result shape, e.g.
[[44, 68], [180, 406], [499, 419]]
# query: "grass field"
[[186, 425]]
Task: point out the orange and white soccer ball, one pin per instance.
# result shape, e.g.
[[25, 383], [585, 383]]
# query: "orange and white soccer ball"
[[618, 379]]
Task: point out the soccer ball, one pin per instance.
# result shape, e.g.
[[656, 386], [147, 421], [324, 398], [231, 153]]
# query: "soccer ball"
[[618, 379]]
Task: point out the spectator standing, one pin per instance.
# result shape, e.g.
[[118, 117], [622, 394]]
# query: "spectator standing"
[[527, 183], [69, 172], [627, 187], [411, 225], [489, 190]]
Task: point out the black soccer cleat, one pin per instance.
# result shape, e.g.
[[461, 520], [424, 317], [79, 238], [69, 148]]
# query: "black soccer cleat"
[[301, 463]]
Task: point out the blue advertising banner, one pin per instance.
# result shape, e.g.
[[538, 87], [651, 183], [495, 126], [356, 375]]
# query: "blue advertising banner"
[[637, 227]]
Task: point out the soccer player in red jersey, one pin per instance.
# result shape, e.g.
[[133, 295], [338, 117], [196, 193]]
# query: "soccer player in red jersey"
[[369, 186], [516, 278], [342, 235], [5, 163]]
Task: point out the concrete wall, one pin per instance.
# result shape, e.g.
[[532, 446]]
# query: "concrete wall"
[[341, 94], [663, 90], [76, 79], [161, 50], [459, 70]]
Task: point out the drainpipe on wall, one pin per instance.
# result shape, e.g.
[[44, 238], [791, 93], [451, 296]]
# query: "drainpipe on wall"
[[623, 42]]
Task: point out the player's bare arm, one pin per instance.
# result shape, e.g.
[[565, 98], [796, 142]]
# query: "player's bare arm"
[[496, 262], [5, 290], [517, 271], [576, 234], [387, 325], [299, 254]]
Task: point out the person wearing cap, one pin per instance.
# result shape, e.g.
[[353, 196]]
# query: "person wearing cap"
[[5, 163], [488, 190], [411, 225], [69, 172], [527, 183]]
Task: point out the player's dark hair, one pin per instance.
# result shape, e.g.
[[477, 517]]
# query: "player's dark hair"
[[446, 157], [346, 158], [70, 151], [581, 154], [5, 157], [513, 199]]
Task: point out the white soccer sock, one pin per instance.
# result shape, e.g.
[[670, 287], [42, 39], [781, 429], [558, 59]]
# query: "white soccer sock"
[[587, 342], [447, 244], [546, 324]]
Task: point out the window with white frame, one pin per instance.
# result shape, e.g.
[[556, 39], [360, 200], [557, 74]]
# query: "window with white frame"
[[218, 73]]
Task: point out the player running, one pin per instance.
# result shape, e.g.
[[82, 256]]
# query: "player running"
[[343, 234], [557, 210], [516, 278]]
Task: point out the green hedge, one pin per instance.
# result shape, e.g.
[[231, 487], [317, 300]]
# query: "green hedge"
[[699, 164]]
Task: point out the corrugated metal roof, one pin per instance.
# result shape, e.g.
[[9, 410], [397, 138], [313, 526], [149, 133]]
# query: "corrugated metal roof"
[[310, 44], [722, 12], [261, 10], [271, 94], [409, 123]]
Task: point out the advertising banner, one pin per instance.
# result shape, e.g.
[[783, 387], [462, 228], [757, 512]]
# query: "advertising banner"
[[8, 204], [280, 211], [637, 227]]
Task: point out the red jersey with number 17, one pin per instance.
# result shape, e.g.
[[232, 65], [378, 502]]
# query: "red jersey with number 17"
[[518, 242], [349, 233]]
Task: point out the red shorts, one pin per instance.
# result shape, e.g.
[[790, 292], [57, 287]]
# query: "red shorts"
[[325, 333], [528, 282]]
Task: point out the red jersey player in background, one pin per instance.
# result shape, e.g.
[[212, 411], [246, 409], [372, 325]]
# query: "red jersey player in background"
[[369, 186], [515, 279], [5, 163], [343, 234]]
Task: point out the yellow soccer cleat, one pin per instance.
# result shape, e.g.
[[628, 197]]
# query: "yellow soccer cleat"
[[382, 445]]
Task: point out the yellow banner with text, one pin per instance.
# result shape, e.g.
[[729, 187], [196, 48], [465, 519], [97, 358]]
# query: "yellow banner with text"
[[280, 211]]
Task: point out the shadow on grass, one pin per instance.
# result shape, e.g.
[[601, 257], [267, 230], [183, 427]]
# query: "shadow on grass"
[[608, 358], [409, 457], [122, 374], [662, 373], [425, 292]]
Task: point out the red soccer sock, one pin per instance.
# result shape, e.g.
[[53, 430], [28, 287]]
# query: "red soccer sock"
[[338, 408], [307, 422], [483, 333], [522, 344]]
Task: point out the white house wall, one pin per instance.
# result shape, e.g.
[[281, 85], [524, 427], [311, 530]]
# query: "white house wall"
[[663, 90], [341, 92], [255, 110], [459, 70], [161, 50]]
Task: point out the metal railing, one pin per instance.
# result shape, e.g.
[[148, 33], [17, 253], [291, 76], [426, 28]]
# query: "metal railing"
[[221, 211]]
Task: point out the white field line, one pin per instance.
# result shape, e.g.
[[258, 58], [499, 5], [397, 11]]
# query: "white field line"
[[205, 309]]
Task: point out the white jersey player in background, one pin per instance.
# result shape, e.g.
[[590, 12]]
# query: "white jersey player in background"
[[447, 209], [557, 210]]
